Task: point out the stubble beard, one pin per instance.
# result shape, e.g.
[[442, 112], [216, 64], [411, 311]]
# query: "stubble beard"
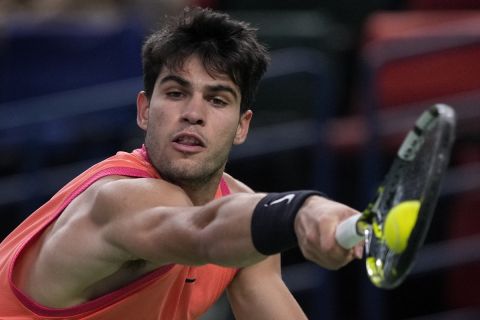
[[187, 172], [189, 175]]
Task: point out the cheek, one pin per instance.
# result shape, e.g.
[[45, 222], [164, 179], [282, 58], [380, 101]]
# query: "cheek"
[[228, 131], [159, 118], [158, 128]]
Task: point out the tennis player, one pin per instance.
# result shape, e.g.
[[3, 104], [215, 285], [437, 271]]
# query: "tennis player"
[[162, 232]]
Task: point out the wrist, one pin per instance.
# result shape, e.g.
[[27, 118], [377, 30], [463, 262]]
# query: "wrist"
[[273, 220]]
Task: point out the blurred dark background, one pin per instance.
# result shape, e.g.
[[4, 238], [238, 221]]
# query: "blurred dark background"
[[347, 80]]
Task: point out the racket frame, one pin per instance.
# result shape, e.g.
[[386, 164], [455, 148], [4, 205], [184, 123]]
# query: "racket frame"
[[363, 226]]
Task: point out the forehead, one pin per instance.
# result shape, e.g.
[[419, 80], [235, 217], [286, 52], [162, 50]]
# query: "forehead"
[[194, 68]]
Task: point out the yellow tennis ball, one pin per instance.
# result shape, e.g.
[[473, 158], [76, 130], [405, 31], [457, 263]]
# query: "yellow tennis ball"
[[399, 224]]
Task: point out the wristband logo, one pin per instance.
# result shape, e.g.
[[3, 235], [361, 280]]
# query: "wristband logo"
[[288, 198]]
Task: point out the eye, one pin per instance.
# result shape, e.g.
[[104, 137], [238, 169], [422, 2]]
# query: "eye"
[[174, 94], [219, 102]]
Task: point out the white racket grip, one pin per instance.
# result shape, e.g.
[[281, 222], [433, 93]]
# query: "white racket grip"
[[346, 234]]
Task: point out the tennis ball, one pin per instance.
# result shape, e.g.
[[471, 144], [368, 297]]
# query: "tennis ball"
[[399, 224]]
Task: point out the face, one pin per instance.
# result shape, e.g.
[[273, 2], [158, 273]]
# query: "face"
[[191, 122]]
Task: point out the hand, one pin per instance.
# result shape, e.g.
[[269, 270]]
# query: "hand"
[[315, 227]]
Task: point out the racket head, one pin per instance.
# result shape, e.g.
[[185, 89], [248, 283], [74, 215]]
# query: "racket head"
[[415, 174]]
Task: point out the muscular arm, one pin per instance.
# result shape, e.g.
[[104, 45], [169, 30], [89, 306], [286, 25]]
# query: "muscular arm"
[[118, 223], [164, 228], [120, 220], [218, 232]]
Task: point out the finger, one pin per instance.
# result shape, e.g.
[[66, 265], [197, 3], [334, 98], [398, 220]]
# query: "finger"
[[358, 251]]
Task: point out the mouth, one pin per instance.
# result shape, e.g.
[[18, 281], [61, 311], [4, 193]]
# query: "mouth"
[[188, 142]]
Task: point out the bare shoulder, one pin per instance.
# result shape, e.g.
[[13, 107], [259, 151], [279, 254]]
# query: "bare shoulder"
[[141, 193], [114, 202], [106, 202], [74, 250], [236, 186], [117, 194]]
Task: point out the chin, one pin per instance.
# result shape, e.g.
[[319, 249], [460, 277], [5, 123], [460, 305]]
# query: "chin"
[[182, 174], [188, 173]]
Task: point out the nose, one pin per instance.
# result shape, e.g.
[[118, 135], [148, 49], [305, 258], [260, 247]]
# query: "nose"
[[194, 111]]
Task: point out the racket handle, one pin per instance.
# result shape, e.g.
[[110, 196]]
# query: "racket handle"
[[347, 234]]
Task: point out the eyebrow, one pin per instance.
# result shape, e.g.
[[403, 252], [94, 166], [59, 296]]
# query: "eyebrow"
[[185, 83], [179, 80]]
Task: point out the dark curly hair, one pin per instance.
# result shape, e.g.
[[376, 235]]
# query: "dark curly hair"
[[225, 46]]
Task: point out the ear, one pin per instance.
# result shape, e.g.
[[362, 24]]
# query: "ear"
[[243, 126], [143, 106]]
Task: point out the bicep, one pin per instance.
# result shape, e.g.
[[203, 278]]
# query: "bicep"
[[259, 292]]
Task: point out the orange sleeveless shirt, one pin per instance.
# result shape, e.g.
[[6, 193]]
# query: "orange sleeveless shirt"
[[170, 292]]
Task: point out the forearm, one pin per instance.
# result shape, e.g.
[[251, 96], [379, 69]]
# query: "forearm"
[[224, 230], [250, 224]]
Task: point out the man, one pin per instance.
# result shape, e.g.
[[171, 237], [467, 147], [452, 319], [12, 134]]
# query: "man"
[[161, 232]]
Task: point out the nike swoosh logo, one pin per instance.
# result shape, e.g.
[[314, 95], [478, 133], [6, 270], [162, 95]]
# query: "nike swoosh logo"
[[288, 198]]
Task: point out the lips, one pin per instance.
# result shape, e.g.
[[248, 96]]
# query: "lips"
[[188, 142]]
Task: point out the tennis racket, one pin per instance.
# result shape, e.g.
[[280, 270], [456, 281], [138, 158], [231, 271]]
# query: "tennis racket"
[[394, 225]]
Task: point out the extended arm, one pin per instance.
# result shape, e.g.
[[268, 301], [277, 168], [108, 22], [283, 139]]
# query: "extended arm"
[[219, 232], [118, 220], [177, 232]]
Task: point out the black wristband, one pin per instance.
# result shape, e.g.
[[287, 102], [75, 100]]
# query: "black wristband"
[[273, 220]]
